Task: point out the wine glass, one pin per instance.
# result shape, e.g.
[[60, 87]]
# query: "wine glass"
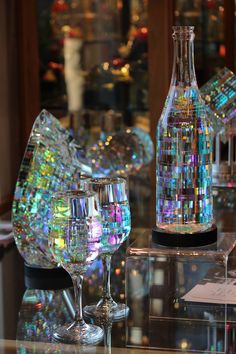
[[116, 225], [75, 241]]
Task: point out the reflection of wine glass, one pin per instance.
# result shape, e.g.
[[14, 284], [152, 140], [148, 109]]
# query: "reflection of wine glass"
[[40, 313], [74, 240], [83, 182], [116, 225]]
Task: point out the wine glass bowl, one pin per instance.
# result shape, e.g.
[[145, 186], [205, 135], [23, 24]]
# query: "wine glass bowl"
[[116, 226], [115, 212], [75, 241]]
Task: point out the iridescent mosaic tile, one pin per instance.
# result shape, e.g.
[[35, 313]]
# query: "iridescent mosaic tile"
[[219, 94]]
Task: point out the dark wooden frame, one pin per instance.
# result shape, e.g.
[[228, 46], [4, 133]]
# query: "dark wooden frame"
[[160, 22], [229, 31], [23, 77], [28, 67]]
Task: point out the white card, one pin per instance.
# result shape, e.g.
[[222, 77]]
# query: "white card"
[[216, 293]]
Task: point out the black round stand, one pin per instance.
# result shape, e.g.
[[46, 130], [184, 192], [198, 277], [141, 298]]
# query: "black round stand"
[[46, 278], [184, 240]]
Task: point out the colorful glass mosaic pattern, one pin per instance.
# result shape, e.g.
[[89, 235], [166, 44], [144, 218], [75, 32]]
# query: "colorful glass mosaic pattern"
[[184, 164], [116, 226], [75, 230], [184, 148], [219, 94], [50, 164]]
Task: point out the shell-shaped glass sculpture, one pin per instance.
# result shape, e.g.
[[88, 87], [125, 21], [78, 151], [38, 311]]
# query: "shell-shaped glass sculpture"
[[50, 164]]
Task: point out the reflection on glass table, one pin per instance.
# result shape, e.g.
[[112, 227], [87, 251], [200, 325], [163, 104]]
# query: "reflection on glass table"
[[41, 312], [142, 324], [183, 292]]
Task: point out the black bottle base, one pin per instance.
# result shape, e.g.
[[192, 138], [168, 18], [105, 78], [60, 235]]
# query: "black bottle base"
[[184, 240]]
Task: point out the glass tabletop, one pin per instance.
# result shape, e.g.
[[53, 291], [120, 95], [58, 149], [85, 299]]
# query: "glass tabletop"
[[28, 316]]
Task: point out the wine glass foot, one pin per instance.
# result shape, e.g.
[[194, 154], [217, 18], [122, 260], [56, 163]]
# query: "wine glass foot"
[[114, 313], [85, 334]]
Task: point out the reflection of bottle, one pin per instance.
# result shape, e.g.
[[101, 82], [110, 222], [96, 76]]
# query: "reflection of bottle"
[[184, 149]]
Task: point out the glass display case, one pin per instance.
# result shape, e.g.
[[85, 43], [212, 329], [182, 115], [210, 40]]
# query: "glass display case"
[[93, 58], [208, 19], [94, 54]]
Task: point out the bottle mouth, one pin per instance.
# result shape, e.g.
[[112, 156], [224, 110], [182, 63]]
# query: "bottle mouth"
[[183, 32]]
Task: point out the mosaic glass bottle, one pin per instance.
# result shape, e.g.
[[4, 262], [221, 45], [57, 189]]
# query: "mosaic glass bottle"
[[184, 148]]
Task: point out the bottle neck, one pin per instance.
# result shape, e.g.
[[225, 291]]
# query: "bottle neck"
[[183, 73]]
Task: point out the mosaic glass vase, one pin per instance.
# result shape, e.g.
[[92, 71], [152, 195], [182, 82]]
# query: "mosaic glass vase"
[[50, 163], [219, 94], [184, 149]]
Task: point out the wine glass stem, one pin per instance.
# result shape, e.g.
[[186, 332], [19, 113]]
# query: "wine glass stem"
[[106, 260], [107, 338], [77, 284]]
